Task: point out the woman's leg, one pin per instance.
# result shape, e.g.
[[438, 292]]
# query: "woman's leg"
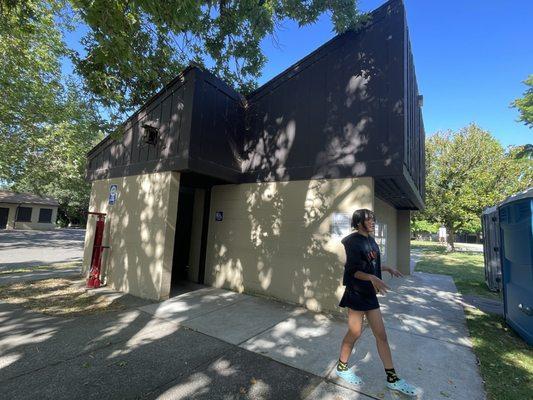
[[355, 326], [375, 321]]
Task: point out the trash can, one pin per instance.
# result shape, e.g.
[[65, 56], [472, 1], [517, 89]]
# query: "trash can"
[[516, 233], [491, 248]]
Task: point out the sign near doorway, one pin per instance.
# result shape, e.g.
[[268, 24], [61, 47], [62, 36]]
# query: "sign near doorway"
[[113, 191], [219, 216], [341, 225]]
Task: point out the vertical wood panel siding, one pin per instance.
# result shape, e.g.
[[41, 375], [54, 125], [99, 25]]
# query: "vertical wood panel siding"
[[216, 133], [328, 115], [165, 112], [415, 135], [348, 109]]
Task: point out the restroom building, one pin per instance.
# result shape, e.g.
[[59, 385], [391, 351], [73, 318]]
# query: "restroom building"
[[253, 193], [27, 211]]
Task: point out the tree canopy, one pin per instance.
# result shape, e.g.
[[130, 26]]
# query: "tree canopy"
[[129, 50], [133, 48], [47, 123], [467, 171], [525, 104]]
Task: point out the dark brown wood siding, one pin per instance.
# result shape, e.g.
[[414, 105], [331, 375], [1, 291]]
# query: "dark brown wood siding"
[[216, 131], [414, 157], [348, 109], [332, 115], [169, 112]]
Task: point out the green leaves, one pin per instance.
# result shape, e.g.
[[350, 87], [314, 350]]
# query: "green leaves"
[[525, 104], [468, 171], [46, 123], [131, 49], [134, 48]]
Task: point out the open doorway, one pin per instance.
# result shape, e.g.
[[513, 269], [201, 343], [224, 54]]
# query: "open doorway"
[[189, 241]]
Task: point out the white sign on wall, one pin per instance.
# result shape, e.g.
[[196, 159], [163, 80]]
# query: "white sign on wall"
[[380, 235], [113, 191], [340, 225]]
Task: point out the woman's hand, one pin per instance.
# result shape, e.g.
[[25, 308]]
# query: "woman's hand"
[[379, 285], [393, 272]]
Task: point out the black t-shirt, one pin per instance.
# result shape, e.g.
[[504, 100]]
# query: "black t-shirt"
[[362, 254]]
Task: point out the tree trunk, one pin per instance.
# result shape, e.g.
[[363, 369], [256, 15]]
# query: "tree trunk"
[[449, 238]]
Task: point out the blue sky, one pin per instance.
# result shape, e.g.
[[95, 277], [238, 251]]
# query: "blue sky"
[[471, 57]]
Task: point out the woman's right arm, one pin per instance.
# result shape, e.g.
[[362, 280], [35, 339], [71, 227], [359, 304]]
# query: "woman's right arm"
[[378, 284]]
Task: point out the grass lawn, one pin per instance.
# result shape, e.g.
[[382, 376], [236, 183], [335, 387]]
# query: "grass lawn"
[[466, 268], [506, 361]]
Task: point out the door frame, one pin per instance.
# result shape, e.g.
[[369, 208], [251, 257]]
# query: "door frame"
[[205, 232]]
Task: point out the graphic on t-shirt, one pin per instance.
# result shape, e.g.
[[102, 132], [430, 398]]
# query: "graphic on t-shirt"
[[372, 256]]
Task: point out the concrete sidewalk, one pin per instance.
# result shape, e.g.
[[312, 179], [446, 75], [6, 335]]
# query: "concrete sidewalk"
[[216, 344], [424, 319]]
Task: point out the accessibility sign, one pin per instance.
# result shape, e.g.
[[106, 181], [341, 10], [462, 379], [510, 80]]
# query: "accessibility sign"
[[113, 192]]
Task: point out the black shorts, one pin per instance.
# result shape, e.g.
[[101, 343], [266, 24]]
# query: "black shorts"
[[359, 301]]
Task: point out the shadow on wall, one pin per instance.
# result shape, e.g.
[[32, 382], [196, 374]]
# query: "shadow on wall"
[[331, 118], [276, 238], [139, 230], [276, 241]]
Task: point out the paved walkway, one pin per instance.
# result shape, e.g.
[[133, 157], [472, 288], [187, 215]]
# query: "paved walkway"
[[484, 304], [27, 248], [217, 344], [476, 247]]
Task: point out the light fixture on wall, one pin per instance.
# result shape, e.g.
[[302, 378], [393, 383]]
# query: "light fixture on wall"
[[150, 134]]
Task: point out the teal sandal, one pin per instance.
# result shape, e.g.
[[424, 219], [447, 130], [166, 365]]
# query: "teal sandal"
[[403, 387], [349, 376]]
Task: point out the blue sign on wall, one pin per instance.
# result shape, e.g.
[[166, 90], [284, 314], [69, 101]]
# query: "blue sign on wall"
[[219, 216], [113, 191]]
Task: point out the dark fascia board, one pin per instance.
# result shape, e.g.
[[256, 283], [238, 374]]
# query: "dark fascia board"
[[391, 203], [181, 77], [374, 169], [217, 171], [192, 73], [174, 164], [412, 190], [29, 204], [375, 16]]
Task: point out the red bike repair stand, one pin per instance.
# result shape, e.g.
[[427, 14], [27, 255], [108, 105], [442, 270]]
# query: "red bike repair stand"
[[93, 281]]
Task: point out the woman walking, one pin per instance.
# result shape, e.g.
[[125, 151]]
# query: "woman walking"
[[362, 278]]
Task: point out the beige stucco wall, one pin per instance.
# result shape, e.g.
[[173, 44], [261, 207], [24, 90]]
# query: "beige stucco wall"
[[275, 238], [404, 241], [34, 224], [387, 214], [140, 230]]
